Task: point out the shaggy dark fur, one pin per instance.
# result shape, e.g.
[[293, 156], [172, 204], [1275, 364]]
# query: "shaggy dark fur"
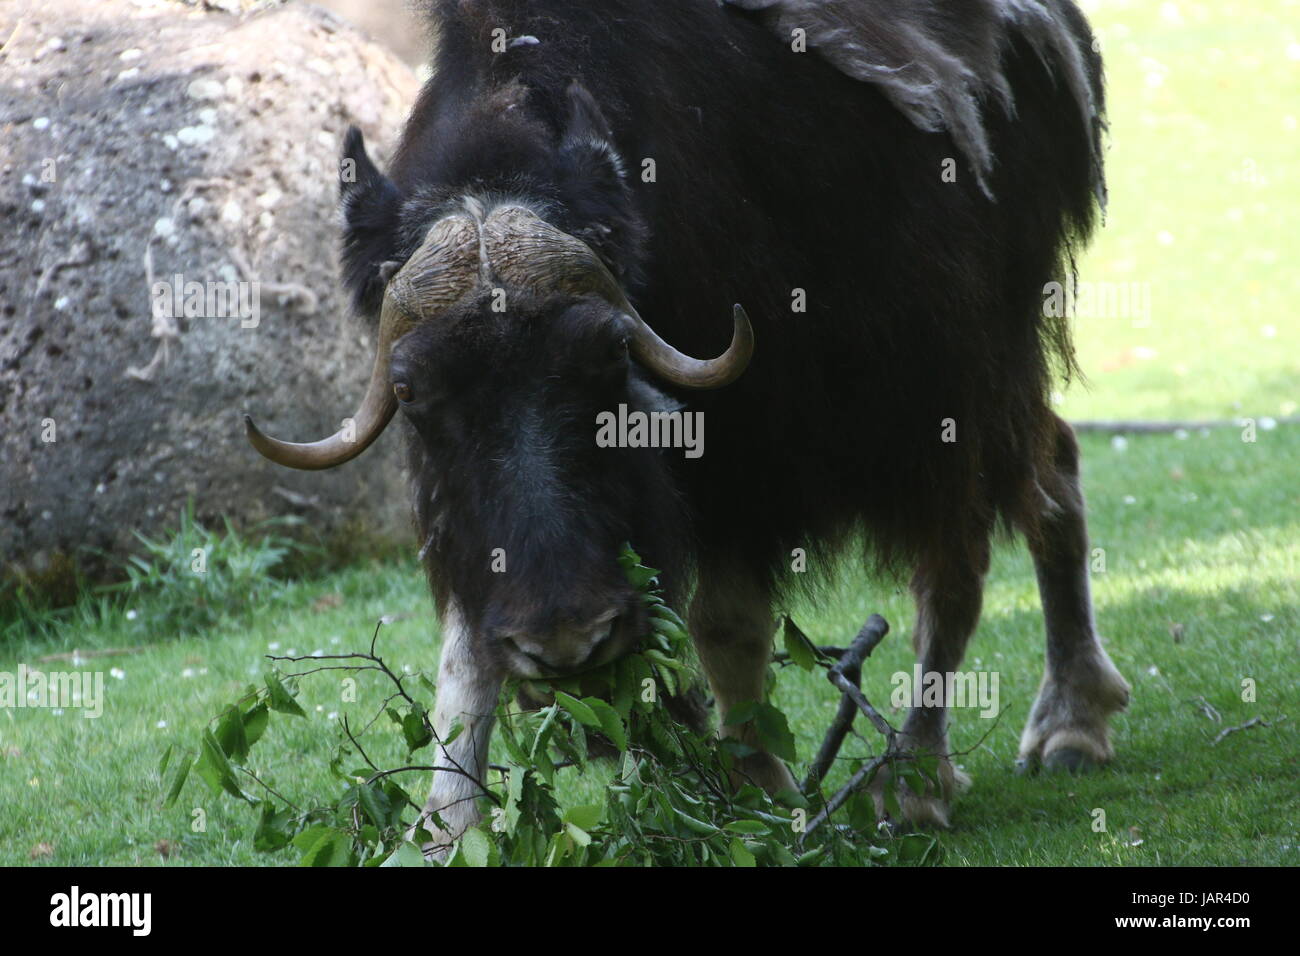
[[939, 61], [775, 171]]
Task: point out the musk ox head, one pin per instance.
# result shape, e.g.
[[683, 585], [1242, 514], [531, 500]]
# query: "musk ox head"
[[501, 340]]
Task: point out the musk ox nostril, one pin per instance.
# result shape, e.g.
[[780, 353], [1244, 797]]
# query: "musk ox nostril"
[[562, 651], [513, 647], [599, 645]]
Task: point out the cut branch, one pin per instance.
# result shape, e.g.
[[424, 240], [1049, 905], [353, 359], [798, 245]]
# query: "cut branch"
[[847, 668], [1253, 722]]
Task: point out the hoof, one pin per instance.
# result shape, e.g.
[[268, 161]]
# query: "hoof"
[[929, 810], [1025, 767], [1069, 760]]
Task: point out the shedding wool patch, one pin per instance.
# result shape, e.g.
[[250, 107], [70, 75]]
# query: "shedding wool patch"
[[939, 61]]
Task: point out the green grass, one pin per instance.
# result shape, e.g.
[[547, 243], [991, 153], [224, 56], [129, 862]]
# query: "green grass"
[[1204, 198], [1208, 544], [1201, 536]]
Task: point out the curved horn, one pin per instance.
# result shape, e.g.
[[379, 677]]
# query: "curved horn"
[[376, 411], [439, 273], [680, 369], [532, 253]]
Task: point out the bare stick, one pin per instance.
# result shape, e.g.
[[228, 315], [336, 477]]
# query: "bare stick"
[[1206, 708], [1253, 722], [855, 694], [849, 667], [842, 795]]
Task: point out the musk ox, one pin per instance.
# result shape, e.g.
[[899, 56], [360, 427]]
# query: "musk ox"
[[855, 206]]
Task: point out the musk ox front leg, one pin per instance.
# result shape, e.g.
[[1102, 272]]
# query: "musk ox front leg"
[[732, 624], [468, 687], [949, 593], [1081, 688]]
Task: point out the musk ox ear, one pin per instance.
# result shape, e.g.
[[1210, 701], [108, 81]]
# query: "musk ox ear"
[[587, 133], [594, 180], [371, 205]]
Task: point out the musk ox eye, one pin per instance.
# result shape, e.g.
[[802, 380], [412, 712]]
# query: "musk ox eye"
[[404, 392], [618, 351]]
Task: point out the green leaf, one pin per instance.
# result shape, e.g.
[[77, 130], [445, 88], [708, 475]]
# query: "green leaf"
[[455, 730], [663, 660], [271, 833], [890, 793], [162, 762], [230, 734], [308, 837], [579, 835], [215, 769], [476, 847], [544, 732], [279, 699], [416, 731], [637, 573], [736, 748], [375, 803], [641, 577], [747, 826], [611, 724], [178, 780], [917, 849], [664, 612], [674, 631], [778, 854], [787, 797], [580, 711], [740, 855], [912, 776], [408, 854], [331, 848], [696, 826], [801, 650], [812, 857], [740, 713], [514, 793], [255, 721], [774, 732], [861, 811], [586, 816]]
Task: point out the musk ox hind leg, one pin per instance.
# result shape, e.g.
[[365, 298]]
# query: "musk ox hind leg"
[[468, 687], [949, 593], [1081, 688], [732, 624]]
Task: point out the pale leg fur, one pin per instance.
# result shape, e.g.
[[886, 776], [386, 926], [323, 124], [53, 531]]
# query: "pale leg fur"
[[732, 624], [1081, 688], [468, 690], [948, 601]]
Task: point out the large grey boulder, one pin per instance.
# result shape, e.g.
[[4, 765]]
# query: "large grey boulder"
[[141, 140]]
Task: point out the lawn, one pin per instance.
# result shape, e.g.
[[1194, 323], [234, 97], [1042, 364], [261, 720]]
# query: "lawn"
[[1200, 532]]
